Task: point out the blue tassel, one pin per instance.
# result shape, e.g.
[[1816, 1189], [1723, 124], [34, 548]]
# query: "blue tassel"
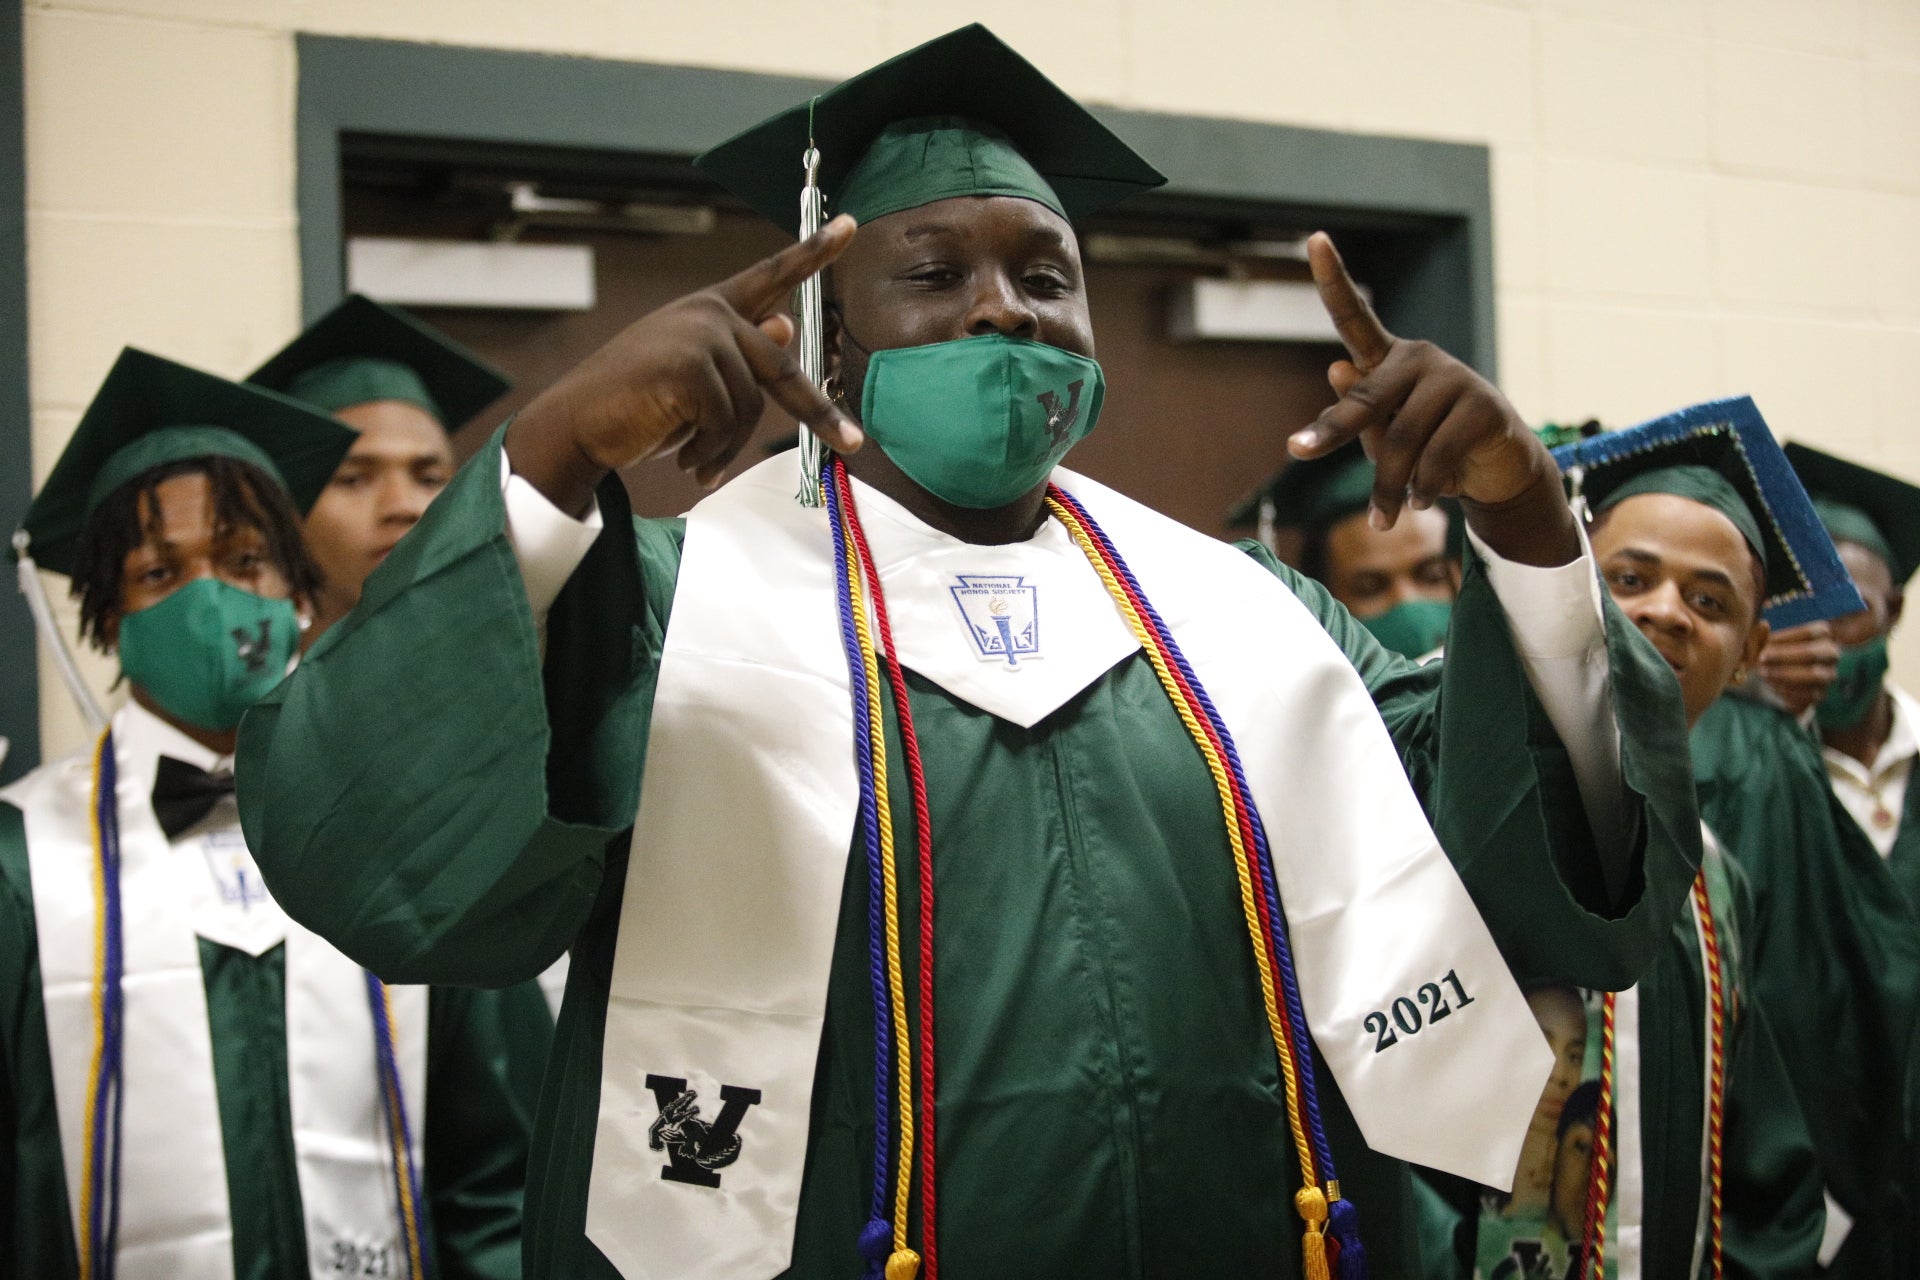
[[1344, 1220], [876, 1243]]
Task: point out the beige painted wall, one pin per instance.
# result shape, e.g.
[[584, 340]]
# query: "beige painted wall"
[[1692, 197]]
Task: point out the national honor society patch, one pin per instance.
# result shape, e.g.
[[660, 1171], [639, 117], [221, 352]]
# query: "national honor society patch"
[[1001, 615]]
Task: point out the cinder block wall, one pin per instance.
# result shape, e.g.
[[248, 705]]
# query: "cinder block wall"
[[1692, 197]]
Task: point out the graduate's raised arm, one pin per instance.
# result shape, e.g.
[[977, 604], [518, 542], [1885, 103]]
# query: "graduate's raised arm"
[[690, 379], [1434, 429]]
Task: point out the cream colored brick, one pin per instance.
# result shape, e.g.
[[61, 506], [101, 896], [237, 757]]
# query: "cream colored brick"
[[1683, 17], [1893, 30], [52, 428], [750, 35], [1299, 63], [1804, 375], [1893, 125], [1626, 364], [1893, 363], [161, 119], [1413, 56], [760, 35], [1826, 26], [217, 297], [275, 15], [1622, 90], [1522, 324], [1792, 114], [1780, 242], [1519, 242], [500, 24], [1893, 247], [1625, 228], [62, 729], [1904, 650]]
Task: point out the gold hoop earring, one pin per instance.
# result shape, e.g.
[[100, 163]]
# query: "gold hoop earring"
[[831, 388]]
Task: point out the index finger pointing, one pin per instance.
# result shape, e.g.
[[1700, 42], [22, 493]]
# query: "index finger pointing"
[[764, 286], [1365, 337]]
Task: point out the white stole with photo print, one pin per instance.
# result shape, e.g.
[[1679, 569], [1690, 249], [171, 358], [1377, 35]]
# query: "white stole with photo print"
[[174, 1218], [747, 814]]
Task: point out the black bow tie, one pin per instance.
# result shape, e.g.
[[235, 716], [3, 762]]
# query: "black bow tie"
[[184, 794]]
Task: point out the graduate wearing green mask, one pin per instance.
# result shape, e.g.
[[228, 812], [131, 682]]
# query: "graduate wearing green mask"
[[1869, 726], [1399, 583], [660, 742], [190, 1084], [1822, 841]]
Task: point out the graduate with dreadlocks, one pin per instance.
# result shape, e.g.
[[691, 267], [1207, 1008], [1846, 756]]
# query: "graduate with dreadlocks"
[[976, 870], [190, 1083]]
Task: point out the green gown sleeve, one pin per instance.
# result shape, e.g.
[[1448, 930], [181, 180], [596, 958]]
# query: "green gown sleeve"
[[423, 792], [1836, 962], [36, 1235], [1500, 791], [479, 1124]]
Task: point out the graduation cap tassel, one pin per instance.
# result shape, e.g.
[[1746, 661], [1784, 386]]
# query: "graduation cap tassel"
[[42, 610], [812, 325]]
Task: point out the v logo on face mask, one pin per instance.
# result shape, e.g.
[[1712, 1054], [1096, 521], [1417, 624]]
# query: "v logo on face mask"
[[980, 421], [1060, 421], [254, 650], [209, 651]]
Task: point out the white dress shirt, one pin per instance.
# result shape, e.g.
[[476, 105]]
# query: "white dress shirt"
[[1876, 794]]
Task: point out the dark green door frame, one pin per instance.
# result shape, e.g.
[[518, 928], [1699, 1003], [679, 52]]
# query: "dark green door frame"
[[1415, 217], [19, 673]]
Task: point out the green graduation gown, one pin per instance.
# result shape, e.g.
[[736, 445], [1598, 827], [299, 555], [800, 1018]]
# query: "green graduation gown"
[[1108, 1100], [1773, 1213], [478, 1114], [1838, 946]]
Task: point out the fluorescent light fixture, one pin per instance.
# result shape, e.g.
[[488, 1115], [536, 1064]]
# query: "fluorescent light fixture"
[[1249, 311], [465, 273]]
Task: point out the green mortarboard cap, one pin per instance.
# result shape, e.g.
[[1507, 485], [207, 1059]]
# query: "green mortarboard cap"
[[151, 411], [363, 350], [1312, 493], [1722, 454], [960, 115], [1859, 504]]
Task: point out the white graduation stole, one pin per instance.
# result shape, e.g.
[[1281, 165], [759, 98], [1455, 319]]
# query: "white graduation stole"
[[747, 812], [174, 1218]]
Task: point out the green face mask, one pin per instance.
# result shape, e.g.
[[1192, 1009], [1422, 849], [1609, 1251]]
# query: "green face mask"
[[1856, 685], [1413, 628], [979, 421], [209, 651]]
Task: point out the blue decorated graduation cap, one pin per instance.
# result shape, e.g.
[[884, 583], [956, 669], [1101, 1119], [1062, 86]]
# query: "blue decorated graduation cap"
[[1722, 454]]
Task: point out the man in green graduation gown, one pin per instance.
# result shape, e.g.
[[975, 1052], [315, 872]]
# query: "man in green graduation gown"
[[1105, 1086], [1708, 1162], [1870, 726], [401, 387], [1398, 583], [190, 1084], [1839, 967]]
